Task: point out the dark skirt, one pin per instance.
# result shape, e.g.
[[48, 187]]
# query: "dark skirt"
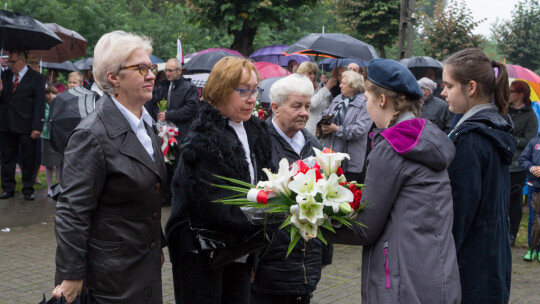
[[49, 157]]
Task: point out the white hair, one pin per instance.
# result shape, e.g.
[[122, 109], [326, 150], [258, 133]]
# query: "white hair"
[[292, 84], [111, 53]]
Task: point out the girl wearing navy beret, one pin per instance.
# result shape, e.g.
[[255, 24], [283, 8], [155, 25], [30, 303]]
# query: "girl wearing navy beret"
[[409, 254]]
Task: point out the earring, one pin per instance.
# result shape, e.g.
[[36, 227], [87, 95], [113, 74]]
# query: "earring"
[[116, 91], [380, 106]]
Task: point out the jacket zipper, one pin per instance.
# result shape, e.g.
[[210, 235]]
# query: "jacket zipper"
[[303, 262], [386, 268]]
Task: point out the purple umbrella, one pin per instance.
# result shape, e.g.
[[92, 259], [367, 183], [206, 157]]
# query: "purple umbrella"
[[274, 54], [236, 53]]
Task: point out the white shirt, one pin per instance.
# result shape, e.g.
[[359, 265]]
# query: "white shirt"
[[297, 142], [242, 135], [21, 74], [137, 125]]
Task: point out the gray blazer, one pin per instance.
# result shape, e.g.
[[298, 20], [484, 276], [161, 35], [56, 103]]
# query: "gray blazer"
[[352, 136]]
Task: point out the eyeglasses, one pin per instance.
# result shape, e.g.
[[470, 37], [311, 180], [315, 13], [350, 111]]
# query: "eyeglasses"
[[13, 61], [171, 70], [246, 93], [143, 68]]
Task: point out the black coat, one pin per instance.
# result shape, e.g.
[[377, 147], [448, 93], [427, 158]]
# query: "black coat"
[[212, 147], [182, 108], [525, 128], [480, 180], [299, 273], [108, 217], [22, 111]]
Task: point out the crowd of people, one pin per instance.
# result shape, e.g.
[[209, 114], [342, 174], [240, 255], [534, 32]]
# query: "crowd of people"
[[442, 177]]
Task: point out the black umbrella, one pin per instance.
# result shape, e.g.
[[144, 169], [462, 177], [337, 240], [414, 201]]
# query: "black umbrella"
[[22, 32], [64, 66], [204, 63], [333, 45], [74, 45], [83, 298], [84, 64], [421, 66]]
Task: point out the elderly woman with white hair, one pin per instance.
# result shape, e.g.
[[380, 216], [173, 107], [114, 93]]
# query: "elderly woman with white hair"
[[433, 108], [348, 131], [278, 278], [108, 219]]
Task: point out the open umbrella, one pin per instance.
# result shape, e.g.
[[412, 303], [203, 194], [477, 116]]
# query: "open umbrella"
[[64, 66], [519, 72], [274, 54], [204, 62], [422, 66], [329, 63], [155, 59], [84, 64], [535, 230], [268, 70], [266, 85], [535, 88], [22, 32], [199, 80], [334, 46], [233, 52], [73, 45]]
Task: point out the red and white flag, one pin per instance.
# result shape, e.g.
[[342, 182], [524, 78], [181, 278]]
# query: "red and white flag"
[[179, 53]]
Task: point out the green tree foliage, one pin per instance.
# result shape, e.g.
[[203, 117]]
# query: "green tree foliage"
[[375, 22], [450, 30], [242, 18], [518, 39]]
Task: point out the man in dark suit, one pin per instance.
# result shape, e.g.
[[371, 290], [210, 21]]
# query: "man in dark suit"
[[22, 107], [182, 104]]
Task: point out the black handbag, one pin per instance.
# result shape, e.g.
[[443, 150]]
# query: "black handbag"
[[220, 248]]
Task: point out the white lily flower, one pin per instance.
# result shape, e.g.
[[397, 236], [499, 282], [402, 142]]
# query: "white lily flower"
[[333, 194], [329, 162], [278, 183], [311, 211], [305, 185], [306, 229]]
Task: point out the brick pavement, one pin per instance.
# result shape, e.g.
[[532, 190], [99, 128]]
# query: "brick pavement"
[[27, 261]]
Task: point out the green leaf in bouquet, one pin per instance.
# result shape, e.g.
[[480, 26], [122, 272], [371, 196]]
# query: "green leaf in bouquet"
[[162, 105], [235, 181], [359, 209], [344, 221], [318, 197], [278, 209], [287, 200], [320, 236], [328, 226], [295, 237], [236, 201], [357, 223], [232, 188], [287, 222]]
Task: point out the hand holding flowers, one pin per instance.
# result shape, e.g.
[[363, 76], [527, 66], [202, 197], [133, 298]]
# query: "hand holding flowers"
[[167, 133], [311, 197]]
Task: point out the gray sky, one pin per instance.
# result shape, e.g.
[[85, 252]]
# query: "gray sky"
[[490, 9]]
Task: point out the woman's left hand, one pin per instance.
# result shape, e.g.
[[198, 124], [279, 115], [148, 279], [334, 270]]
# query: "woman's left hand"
[[331, 128], [69, 289]]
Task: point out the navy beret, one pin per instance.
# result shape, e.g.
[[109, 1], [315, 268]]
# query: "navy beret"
[[391, 75]]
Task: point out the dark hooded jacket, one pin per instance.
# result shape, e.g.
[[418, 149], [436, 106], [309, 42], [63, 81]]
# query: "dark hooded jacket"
[[299, 273], [212, 147], [525, 128], [409, 254], [480, 181]]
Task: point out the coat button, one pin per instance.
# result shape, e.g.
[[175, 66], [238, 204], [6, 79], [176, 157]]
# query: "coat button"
[[158, 186], [153, 246], [155, 216]]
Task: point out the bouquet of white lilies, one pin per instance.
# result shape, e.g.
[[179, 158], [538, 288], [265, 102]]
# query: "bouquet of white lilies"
[[311, 196]]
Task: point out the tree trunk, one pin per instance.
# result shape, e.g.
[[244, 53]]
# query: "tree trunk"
[[243, 39], [381, 50]]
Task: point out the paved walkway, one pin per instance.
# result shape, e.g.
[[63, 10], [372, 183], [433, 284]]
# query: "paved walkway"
[[27, 261]]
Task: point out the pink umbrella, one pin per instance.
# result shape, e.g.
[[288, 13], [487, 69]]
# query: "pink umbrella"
[[519, 72], [267, 70], [214, 50]]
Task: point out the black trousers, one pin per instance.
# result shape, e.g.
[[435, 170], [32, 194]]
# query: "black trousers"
[[194, 284], [10, 152], [515, 208], [171, 168]]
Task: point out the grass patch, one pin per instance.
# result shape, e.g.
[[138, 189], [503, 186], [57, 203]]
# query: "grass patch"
[[41, 177]]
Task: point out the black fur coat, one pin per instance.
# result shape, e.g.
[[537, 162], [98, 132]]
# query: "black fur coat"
[[212, 147]]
